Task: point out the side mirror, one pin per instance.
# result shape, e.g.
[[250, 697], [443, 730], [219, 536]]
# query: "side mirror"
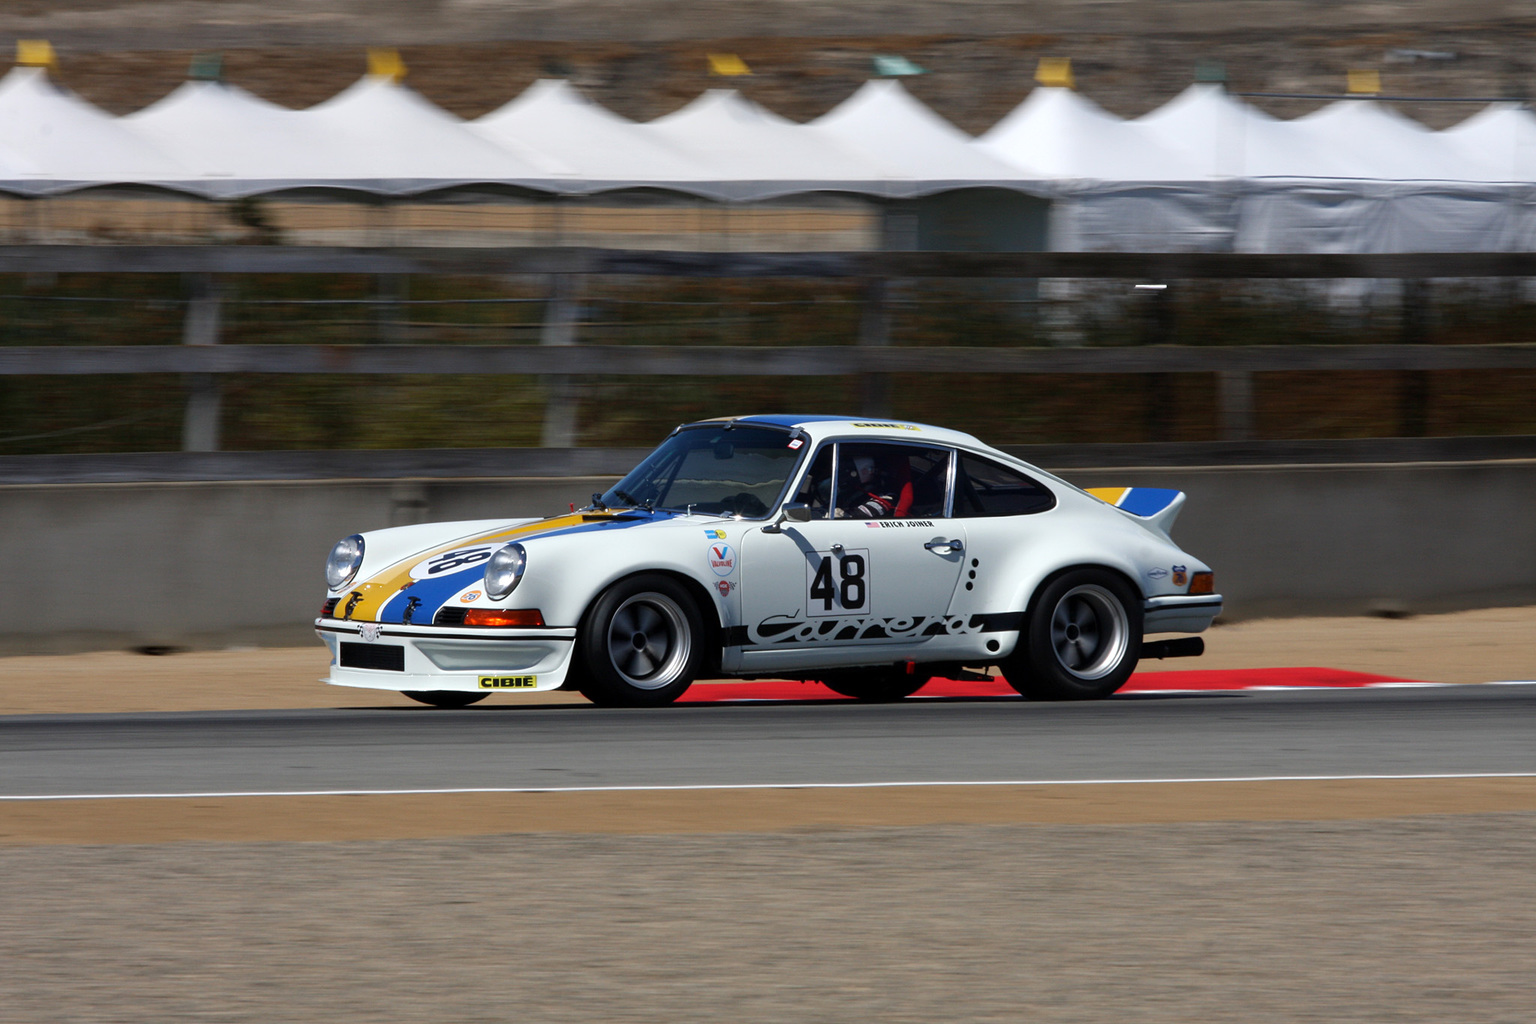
[[796, 512], [789, 512]]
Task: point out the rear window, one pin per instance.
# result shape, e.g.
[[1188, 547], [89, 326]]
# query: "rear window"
[[983, 488]]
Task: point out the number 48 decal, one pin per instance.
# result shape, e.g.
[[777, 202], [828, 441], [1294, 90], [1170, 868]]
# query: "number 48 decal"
[[837, 582]]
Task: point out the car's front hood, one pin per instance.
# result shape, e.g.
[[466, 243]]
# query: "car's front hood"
[[412, 589]]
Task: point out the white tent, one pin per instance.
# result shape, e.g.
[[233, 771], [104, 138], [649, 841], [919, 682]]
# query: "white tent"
[[1203, 172], [234, 143], [1377, 142], [749, 153], [1058, 135], [1501, 138], [385, 138], [53, 141], [886, 125], [602, 149]]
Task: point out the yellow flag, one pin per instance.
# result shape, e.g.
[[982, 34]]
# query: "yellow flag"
[[1364, 81], [386, 64], [1055, 71], [35, 53], [727, 64]]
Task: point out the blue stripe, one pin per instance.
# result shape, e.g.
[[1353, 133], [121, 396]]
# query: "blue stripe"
[[1147, 501], [434, 592]]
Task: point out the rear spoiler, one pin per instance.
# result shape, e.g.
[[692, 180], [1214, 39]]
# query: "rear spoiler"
[[1159, 506]]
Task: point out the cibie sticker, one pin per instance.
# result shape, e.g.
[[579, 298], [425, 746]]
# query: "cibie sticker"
[[509, 682], [722, 559], [715, 534], [451, 561]]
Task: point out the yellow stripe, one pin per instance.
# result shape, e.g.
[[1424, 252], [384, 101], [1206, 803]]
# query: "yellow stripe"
[[1113, 495], [380, 588]]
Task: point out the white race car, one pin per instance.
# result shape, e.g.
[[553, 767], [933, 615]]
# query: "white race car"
[[871, 556]]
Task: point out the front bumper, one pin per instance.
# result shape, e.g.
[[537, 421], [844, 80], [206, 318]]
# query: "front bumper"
[[398, 657], [1180, 613]]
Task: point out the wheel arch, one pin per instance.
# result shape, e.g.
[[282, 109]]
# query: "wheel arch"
[[1056, 574], [709, 613]]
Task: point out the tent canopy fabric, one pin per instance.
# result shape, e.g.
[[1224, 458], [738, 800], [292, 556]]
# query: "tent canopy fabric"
[[751, 152], [1205, 171], [57, 142], [1056, 134], [885, 125], [597, 148]]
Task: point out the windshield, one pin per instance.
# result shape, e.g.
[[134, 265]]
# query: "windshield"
[[715, 468]]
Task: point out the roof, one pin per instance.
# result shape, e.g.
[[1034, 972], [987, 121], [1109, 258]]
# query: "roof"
[[820, 425]]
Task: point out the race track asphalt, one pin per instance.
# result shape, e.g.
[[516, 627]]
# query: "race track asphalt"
[[1383, 732]]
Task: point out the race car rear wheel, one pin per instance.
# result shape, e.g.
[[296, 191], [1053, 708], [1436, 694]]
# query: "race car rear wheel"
[[875, 684], [639, 645], [445, 698], [1082, 641]]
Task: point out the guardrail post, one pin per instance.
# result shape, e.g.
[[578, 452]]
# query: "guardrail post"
[[875, 331], [1158, 329], [389, 291], [1413, 386], [200, 424], [562, 394], [1234, 404]]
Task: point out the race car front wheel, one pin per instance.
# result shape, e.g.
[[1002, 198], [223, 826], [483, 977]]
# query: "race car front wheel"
[[1082, 640], [639, 645]]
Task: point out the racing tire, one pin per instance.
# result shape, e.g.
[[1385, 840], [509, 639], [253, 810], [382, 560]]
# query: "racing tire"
[[1082, 640], [445, 698], [880, 685], [639, 646]]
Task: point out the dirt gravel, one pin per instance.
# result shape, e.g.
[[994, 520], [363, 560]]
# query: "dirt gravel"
[[1426, 919]]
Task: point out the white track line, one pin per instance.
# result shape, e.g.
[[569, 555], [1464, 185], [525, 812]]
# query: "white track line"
[[760, 785]]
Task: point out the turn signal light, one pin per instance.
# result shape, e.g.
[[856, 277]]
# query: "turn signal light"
[[1199, 583], [503, 617]]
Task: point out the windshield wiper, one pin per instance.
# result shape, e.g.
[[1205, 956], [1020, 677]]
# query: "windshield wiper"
[[644, 506]]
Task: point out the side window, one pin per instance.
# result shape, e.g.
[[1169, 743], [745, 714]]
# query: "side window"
[[984, 488], [891, 481], [816, 489]]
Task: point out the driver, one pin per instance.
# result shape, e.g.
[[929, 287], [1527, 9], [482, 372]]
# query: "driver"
[[867, 491]]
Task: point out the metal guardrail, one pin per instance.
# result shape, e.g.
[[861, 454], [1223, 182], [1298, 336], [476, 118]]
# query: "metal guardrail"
[[806, 361], [559, 358], [257, 259]]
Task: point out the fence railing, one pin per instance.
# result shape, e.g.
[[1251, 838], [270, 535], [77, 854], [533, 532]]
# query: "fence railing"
[[559, 356]]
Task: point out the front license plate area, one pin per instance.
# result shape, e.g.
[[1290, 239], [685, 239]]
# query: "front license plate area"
[[388, 657]]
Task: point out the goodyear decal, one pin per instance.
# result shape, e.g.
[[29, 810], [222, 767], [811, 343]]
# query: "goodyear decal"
[[385, 596], [1138, 501]]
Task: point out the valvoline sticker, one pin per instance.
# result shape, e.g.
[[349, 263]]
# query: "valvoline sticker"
[[722, 559]]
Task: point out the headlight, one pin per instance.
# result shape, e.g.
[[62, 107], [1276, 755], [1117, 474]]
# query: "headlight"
[[346, 558], [504, 570]]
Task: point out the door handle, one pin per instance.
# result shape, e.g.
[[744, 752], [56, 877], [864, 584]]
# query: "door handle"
[[951, 547]]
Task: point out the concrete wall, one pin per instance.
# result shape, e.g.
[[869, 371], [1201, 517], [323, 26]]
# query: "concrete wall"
[[93, 565]]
